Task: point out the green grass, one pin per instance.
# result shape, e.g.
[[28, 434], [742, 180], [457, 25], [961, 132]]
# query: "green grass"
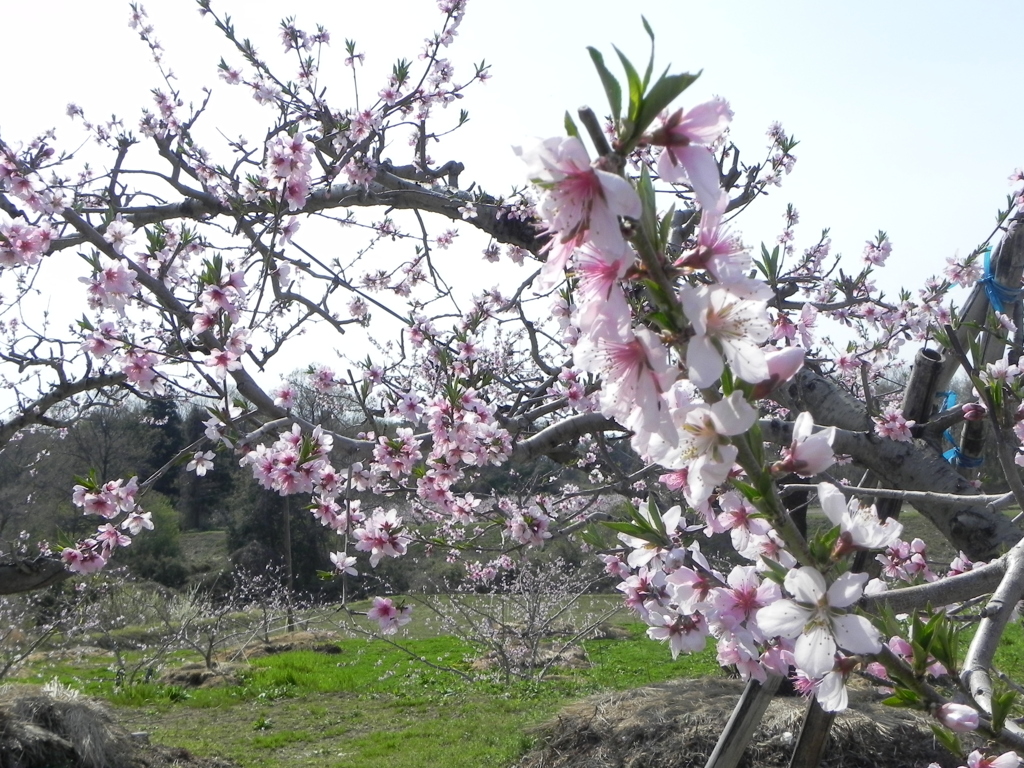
[[205, 550], [375, 702], [371, 702], [1010, 654]]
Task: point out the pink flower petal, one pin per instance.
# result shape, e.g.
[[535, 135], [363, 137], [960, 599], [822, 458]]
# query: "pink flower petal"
[[856, 634], [815, 652], [846, 590], [806, 585]]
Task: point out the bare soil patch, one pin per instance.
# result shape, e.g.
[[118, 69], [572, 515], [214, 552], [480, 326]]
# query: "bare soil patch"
[[677, 724], [50, 727]]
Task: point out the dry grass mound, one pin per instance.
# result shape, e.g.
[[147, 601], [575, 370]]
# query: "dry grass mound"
[[197, 675], [318, 641], [676, 725], [54, 727]]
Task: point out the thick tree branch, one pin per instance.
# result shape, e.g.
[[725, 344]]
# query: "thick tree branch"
[[955, 589], [560, 433], [995, 617], [35, 412], [969, 524], [831, 405], [389, 190], [29, 575]]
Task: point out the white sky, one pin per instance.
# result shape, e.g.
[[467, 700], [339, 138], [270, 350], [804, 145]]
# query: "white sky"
[[906, 110]]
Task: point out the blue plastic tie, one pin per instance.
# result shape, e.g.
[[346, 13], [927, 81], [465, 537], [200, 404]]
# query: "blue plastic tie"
[[998, 295], [953, 455], [957, 459], [950, 399]]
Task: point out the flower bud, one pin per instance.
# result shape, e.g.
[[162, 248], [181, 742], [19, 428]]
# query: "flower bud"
[[782, 366], [958, 717], [973, 411]]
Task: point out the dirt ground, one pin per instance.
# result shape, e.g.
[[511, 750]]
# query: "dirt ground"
[[676, 725]]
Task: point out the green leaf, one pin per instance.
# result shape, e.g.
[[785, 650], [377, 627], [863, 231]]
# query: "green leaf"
[[658, 293], [750, 493], [886, 621], [649, 205], [640, 519], [90, 481], [628, 528], [902, 697], [651, 537], [948, 739], [769, 263], [663, 93], [591, 536], [776, 571], [945, 647], [728, 383], [660, 319], [754, 437], [821, 546], [665, 231], [654, 514], [636, 88], [1002, 703], [570, 126], [612, 88], [650, 63], [919, 641]]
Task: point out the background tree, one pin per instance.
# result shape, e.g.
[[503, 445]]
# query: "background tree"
[[164, 420], [204, 501]]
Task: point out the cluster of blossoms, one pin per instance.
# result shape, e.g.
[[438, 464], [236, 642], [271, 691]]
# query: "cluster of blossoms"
[[113, 285], [682, 377], [893, 425], [462, 432], [19, 180], [674, 589], [685, 600], [288, 165], [390, 617], [23, 244], [295, 463], [908, 561], [530, 526], [728, 322], [977, 759], [109, 501]]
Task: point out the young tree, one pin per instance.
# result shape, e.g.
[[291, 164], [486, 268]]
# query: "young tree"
[[645, 326]]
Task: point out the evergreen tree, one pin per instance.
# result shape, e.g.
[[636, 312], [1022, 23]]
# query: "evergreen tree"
[[204, 502], [267, 529], [165, 424]]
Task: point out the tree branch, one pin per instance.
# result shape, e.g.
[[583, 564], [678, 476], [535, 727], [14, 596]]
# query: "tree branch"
[[29, 575], [958, 511]]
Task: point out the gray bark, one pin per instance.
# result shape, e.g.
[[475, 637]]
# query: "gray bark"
[[970, 525], [28, 575], [980, 532]]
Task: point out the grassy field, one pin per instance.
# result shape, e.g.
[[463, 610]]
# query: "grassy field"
[[371, 701], [374, 700], [206, 550]]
